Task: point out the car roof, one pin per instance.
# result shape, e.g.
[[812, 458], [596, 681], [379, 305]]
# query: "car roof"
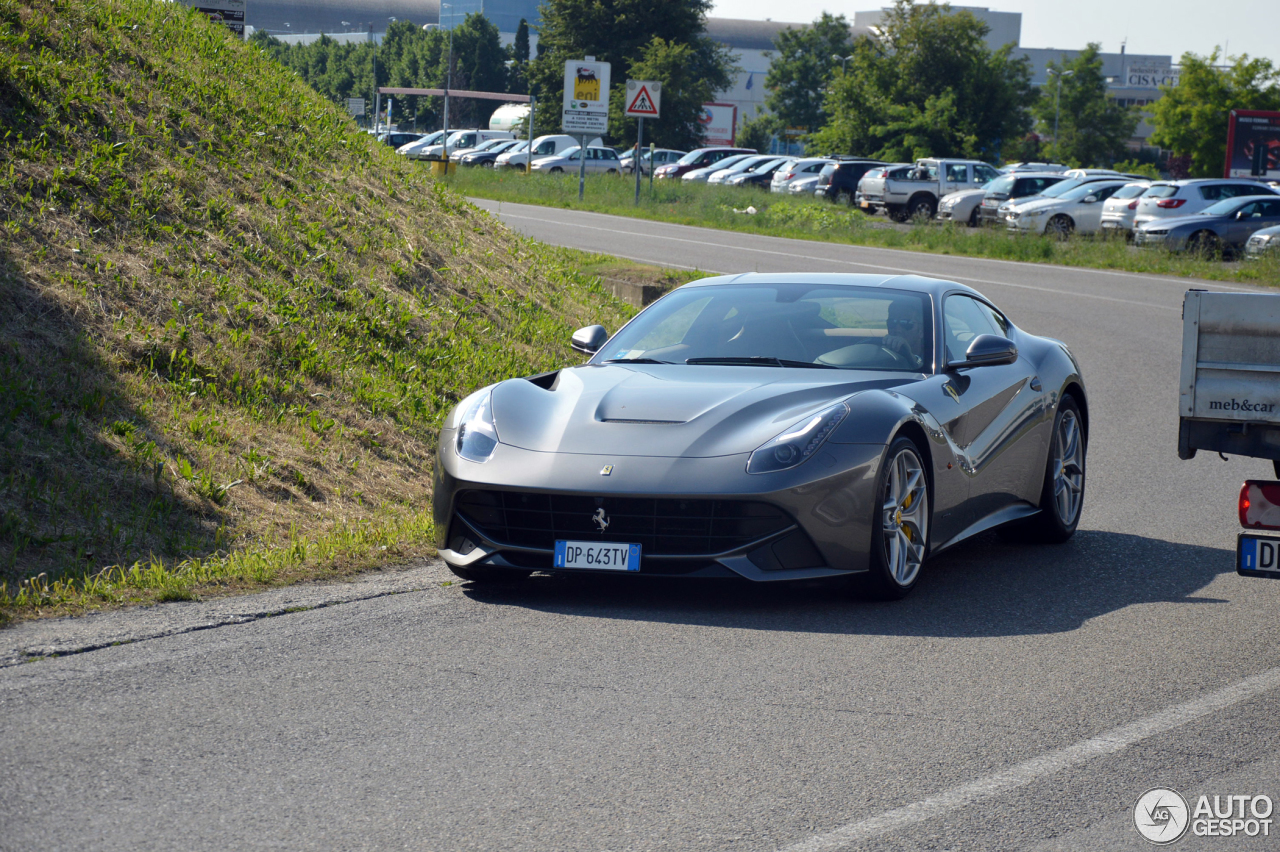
[[1207, 181], [913, 283]]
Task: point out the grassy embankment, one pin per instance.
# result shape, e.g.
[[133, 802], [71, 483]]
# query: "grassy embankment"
[[808, 218], [230, 323]]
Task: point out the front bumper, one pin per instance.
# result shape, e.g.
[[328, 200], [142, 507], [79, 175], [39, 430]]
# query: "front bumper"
[[829, 500]]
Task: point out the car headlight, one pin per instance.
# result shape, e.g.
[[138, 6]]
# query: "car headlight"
[[1035, 212], [1155, 232], [1261, 239], [477, 433], [799, 442]]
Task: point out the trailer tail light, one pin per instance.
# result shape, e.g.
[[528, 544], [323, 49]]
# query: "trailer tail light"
[[1133, 205], [1171, 203], [1260, 505]]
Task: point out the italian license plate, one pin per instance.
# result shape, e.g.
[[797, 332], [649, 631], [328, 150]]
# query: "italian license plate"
[[1257, 556], [597, 556]]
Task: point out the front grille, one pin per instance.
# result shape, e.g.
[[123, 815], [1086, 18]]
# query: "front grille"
[[661, 526]]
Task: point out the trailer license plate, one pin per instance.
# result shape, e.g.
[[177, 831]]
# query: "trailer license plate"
[[597, 556], [1257, 556]]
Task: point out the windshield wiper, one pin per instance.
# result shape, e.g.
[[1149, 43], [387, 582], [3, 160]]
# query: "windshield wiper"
[[757, 361], [634, 361]]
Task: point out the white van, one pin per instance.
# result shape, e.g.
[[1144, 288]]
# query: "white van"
[[464, 140], [414, 149], [543, 146]]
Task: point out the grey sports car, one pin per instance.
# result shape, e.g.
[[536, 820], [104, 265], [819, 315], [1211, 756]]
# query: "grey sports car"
[[771, 427]]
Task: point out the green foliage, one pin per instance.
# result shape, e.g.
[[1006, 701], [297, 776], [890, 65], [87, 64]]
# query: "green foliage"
[[654, 33], [691, 74], [519, 74], [756, 131], [229, 321], [928, 87], [802, 69], [409, 57], [1092, 128], [1136, 167], [1191, 119]]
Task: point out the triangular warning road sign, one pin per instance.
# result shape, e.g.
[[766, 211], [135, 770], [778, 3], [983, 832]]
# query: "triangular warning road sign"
[[642, 103]]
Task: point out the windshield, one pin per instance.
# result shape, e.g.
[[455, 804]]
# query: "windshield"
[[856, 328], [1002, 184], [1133, 190], [1083, 191], [1161, 190], [571, 153], [1060, 189], [690, 158]]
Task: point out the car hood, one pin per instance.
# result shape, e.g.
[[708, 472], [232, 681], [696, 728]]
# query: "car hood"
[[954, 197], [1024, 206], [670, 411]]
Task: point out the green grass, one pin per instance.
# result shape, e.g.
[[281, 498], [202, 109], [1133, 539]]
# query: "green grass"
[[690, 203], [230, 324]]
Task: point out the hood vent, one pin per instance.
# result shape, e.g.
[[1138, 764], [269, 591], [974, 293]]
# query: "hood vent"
[[644, 422]]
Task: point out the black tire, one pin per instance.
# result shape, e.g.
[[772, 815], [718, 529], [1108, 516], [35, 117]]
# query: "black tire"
[[1050, 526], [892, 575], [556, 170], [897, 214], [1275, 467], [489, 575], [1205, 245], [921, 207], [1060, 226], [974, 220], [845, 197]]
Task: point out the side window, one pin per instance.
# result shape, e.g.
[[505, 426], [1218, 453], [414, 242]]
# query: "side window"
[[1214, 193], [1106, 192], [996, 318], [957, 173], [1236, 190], [1250, 210], [1270, 209], [964, 319], [545, 148], [984, 173]]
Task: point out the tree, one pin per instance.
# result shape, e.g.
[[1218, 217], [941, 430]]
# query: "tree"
[[928, 86], [1191, 119], [757, 131], [1092, 128], [623, 33], [690, 74], [802, 68]]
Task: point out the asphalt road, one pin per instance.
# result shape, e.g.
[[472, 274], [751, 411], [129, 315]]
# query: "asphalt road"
[[1022, 698]]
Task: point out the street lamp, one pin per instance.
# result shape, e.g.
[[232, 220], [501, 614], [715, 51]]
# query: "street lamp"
[[842, 60], [1056, 95]]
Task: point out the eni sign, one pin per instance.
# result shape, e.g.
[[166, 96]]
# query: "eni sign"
[[586, 97]]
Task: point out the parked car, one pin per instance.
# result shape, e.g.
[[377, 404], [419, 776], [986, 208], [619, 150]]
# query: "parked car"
[[722, 175], [699, 158], [1221, 229], [463, 139], [398, 139], [758, 176], [488, 145], [543, 146], [487, 157], [1014, 186], [1077, 211], [803, 185], [1118, 210], [1264, 242], [962, 206], [416, 149], [701, 175], [872, 184], [838, 180], [804, 167], [918, 192], [1032, 167], [661, 156], [1178, 198], [599, 160], [1058, 190]]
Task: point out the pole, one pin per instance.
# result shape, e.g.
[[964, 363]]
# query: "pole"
[[448, 83], [1056, 95], [528, 159], [582, 167], [377, 96], [652, 169], [637, 160]]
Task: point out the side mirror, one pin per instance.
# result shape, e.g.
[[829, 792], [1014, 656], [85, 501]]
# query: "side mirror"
[[589, 340], [1089, 199], [988, 349], [1240, 214]]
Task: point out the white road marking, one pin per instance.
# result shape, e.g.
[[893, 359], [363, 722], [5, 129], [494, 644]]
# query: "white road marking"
[[876, 266], [1036, 768]]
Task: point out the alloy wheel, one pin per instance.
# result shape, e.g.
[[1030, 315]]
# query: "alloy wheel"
[[905, 517], [1068, 464]]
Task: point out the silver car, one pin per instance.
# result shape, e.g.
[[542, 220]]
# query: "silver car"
[[808, 167], [1174, 199], [770, 427], [702, 175], [600, 160], [962, 206], [1118, 210], [1264, 242], [1077, 211]]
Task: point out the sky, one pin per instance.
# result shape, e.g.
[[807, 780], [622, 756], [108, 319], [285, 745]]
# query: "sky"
[[1166, 27]]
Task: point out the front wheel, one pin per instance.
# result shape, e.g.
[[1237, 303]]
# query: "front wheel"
[[1205, 245], [922, 208], [973, 219], [557, 170], [900, 528], [1060, 226]]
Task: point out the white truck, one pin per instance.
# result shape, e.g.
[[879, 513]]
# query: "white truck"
[[1229, 402], [918, 192]]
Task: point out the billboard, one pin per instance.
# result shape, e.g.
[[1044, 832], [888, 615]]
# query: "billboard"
[[719, 124], [1253, 144]]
